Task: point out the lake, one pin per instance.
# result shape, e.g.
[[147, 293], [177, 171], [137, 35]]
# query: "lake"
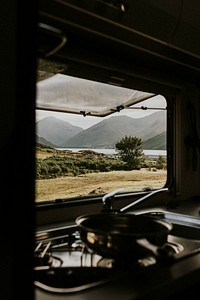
[[150, 153]]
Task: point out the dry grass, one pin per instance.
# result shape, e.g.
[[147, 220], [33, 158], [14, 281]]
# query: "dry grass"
[[97, 183]]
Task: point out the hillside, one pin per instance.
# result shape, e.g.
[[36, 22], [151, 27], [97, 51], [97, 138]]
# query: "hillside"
[[158, 142], [106, 133], [41, 142], [56, 131]]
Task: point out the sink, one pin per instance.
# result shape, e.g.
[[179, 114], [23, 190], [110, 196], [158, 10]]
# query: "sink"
[[183, 225], [185, 231]]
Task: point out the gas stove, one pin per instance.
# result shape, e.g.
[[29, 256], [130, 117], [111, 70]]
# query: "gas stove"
[[64, 265]]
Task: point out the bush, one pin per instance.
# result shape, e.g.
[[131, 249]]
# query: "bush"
[[56, 166], [161, 162]]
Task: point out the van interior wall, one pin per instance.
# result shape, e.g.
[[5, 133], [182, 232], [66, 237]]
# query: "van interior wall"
[[17, 144], [188, 137]]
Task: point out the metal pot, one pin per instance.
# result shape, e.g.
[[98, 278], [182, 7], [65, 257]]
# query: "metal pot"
[[123, 235]]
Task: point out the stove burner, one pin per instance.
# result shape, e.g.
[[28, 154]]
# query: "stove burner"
[[173, 248], [44, 258], [123, 264], [105, 263], [169, 249]]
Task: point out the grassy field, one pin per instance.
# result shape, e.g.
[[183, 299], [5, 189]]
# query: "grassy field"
[[97, 182]]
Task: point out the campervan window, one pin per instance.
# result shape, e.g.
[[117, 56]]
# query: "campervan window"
[[95, 137]]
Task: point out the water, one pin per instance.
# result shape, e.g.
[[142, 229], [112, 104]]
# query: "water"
[[152, 153]]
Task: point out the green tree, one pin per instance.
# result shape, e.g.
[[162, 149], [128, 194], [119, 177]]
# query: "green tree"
[[130, 151]]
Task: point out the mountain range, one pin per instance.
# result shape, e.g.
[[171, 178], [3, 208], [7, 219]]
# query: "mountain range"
[[151, 129], [55, 131]]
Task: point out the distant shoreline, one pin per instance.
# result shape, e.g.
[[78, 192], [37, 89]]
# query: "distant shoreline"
[[149, 153]]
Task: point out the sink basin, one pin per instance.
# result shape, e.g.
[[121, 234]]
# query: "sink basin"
[[183, 225], [187, 232]]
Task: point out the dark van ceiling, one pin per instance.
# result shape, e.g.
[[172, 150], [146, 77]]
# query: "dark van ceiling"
[[110, 35]]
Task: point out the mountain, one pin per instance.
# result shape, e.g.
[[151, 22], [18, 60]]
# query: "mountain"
[[43, 142], [106, 133], [56, 131], [158, 142]]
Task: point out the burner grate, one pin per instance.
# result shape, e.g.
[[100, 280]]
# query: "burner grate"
[[71, 251], [44, 257]]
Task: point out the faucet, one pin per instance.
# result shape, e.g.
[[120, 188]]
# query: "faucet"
[[142, 199], [107, 201]]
